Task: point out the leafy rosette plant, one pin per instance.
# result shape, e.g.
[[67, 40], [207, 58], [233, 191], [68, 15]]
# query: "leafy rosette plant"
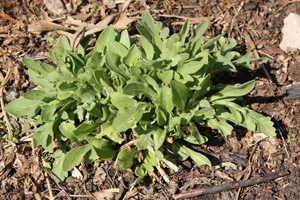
[[149, 99]]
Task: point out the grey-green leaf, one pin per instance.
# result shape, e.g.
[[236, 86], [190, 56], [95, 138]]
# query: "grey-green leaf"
[[179, 94], [74, 156], [126, 158]]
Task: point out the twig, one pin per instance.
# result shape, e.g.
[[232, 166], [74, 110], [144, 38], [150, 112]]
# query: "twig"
[[6, 16], [256, 55], [283, 140], [6, 79], [249, 170], [68, 196], [285, 4], [230, 186], [49, 185]]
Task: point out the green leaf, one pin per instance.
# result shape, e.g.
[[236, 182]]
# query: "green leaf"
[[212, 41], [133, 56], [165, 99], [74, 156], [21, 107], [126, 119], [197, 157], [184, 31], [179, 94], [138, 89], [125, 40], [104, 38], [39, 68], [146, 48], [150, 158], [159, 137], [57, 172], [231, 91], [126, 158], [113, 63], [221, 125], [190, 67], [48, 112], [143, 142], [118, 48], [83, 44], [67, 130], [194, 136], [85, 129], [103, 148], [44, 136], [35, 95], [122, 101]]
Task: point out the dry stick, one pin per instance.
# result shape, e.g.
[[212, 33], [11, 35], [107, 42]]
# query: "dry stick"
[[256, 55], [6, 79], [249, 170], [285, 4], [49, 185], [6, 16], [230, 186]]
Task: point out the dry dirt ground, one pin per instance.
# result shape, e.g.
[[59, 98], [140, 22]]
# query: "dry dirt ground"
[[255, 24]]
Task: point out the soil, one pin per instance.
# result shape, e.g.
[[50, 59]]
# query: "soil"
[[256, 25]]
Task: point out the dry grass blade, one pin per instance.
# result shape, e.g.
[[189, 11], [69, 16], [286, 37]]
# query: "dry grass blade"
[[6, 79]]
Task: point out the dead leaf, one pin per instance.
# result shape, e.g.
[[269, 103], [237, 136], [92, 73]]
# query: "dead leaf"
[[109, 3], [100, 176], [123, 20], [77, 174], [55, 6], [108, 194], [42, 26]]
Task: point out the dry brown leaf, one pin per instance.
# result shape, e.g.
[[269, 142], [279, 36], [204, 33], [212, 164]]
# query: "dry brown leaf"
[[109, 3], [193, 20], [77, 174], [55, 6], [108, 194], [42, 26], [123, 20]]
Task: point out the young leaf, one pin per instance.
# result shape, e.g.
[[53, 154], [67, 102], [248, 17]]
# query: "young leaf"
[[126, 158], [103, 149], [21, 107], [57, 172], [194, 136], [44, 136], [179, 94], [74, 156], [85, 129], [233, 91], [125, 40], [221, 125], [197, 157], [184, 31], [138, 89], [67, 130], [104, 38], [159, 137], [144, 141]]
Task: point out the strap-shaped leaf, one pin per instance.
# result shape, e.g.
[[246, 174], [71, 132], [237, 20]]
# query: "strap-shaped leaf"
[[221, 125], [184, 31], [233, 91], [179, 94], [138, 89], [104, 38], [197, 157], [113, 63], [74, 156]]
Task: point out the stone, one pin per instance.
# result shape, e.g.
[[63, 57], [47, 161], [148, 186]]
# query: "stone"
[[291, 32]]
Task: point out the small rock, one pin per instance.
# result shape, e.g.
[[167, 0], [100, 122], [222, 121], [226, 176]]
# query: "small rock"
[[291, 32]]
